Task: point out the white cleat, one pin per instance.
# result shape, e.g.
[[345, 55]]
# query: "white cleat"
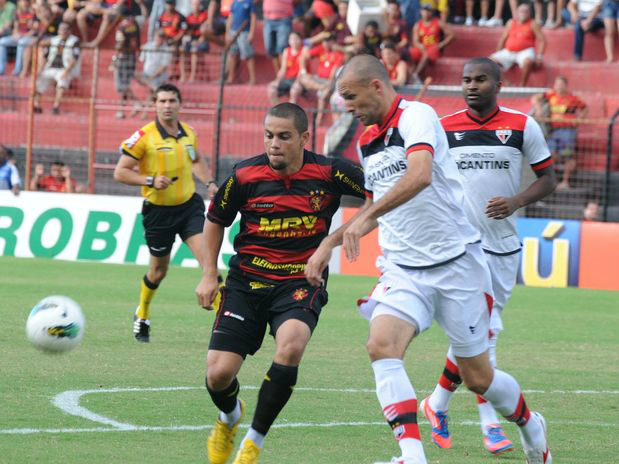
[[402, 460], [537, 455]]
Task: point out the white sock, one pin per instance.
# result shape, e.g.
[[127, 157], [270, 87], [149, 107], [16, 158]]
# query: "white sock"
[[440, 397], [254, 436], [487, 416], [394, 390], [233, 417], [504, 393]]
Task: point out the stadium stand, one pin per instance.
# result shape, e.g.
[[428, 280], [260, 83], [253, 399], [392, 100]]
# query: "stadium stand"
[[87, 133]]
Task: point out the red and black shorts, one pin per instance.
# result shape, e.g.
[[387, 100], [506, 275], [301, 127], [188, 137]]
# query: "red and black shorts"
[[248, 305]]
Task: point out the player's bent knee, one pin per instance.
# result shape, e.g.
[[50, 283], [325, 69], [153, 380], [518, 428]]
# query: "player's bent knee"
[[218, 376], [382, 348], [290, 353]]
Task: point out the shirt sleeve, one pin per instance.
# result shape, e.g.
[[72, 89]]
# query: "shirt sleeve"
[[417, 126], [534, 146], [226, 203], [348, 178], [15, 180], [134, 146]]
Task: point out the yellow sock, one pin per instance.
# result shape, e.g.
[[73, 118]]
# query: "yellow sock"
[[147, 292]]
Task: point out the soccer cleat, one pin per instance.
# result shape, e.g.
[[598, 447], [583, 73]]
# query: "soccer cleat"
[[248, 453], [141, 329], [537, 455], [220, 442], [438, 421], [495, 440]]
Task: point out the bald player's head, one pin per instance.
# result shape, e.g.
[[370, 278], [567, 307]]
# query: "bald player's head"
[[366, 89], [365, 68]]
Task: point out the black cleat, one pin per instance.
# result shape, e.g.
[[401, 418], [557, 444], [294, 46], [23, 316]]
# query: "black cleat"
[[141, 329]]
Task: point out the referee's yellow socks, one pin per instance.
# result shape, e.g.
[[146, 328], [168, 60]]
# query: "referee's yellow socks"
[[147, 292]]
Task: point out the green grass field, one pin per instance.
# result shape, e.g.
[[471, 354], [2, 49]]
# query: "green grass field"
[[562, 345]]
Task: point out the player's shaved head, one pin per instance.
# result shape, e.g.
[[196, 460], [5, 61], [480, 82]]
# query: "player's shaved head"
[[364, 69], [292, 112], [491, 67]]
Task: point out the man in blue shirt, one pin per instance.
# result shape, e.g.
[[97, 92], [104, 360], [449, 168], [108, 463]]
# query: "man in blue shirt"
[[242, 15], [9, 177]]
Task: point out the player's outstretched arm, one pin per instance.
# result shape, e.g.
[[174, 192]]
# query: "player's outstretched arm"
[[207, 288], [321, 257]]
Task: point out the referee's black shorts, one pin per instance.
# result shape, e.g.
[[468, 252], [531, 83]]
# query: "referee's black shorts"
[[162, 223], [248, 305]]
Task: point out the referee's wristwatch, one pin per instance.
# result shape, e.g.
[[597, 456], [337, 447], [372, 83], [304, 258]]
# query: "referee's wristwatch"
[[150, 181]]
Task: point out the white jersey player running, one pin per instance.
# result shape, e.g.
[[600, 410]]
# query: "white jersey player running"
[[490, 145], [433, 266]]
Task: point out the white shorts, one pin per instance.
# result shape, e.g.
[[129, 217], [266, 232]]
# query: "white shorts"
[[503, 271], [50, 75], [507, 58], [456, 294]]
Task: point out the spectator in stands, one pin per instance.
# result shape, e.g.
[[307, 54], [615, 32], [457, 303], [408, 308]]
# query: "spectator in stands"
[[289, 69], [396, 66], [397, 28], [497, 18], [9, 176], [610, 13], [62, 66], [107, 11], [585, 16], [23, 36], [194, 41], [321, 13], [277, 27], [337, 27], [46, 24], [7, 15], [157, 57], [439, 7], [551, 12], [566, 110], [214, 29], [58, 180], [324, 80], [242, 15], [173, 24], [369, 39], [124, 61], [518, 44], [591, 212], [430, 36]]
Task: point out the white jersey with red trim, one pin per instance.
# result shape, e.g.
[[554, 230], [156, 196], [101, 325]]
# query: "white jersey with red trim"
[[490, 154], [431, 228]]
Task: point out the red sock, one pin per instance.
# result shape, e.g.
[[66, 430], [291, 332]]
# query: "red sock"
[[450, 378], [402, 418], [521, 414]]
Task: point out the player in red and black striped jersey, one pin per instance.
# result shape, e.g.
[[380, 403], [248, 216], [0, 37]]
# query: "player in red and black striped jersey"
[[286, 198]]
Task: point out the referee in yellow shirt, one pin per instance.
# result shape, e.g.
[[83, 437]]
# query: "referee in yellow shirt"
[[162, 157]]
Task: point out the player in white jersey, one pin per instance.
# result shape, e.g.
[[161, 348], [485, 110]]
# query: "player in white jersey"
[[490, 145], [433, 265]]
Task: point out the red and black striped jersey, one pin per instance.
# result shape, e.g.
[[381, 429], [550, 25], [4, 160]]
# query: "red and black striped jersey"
[[283, 218]]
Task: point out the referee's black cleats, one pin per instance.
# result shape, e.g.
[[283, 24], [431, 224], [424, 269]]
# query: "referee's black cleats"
[[141, 329]]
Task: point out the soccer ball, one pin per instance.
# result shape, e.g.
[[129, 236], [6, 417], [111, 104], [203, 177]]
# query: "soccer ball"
[[55, 324]]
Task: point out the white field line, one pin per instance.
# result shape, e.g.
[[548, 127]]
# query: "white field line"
[[68, 402]]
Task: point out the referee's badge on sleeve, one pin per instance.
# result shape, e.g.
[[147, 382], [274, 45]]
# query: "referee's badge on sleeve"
[[191, 152]]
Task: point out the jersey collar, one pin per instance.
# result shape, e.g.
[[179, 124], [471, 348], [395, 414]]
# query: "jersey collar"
[[391, 113], [164, 133], [481, 122]]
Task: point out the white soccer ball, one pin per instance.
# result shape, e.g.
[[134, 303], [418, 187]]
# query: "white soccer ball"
[[55, 324]]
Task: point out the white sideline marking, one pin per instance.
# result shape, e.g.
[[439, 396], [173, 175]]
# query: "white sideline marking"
[[68, 402]]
